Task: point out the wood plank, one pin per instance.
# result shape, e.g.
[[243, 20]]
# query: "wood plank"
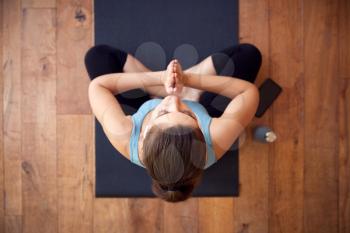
[[38, 3], [251, 208], [216, 215], [181, 216], [344, 38], [39, 121], [74, 174], [110, 215], [321, 126], [128, 215], [286, 166], [13, 224], [344, 156], [74, 30], [12, 106], [2, 184]]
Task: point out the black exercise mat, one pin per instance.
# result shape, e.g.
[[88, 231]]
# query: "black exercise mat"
[[155, 32]]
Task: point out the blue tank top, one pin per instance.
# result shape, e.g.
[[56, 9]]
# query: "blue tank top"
[[200, 112]]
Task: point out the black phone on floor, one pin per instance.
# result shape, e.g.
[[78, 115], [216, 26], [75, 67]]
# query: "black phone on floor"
[[269, 91]]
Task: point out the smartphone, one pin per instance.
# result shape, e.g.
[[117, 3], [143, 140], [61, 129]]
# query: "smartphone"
[[269, 91]]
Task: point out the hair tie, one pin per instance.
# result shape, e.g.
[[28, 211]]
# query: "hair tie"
[[171, 189]]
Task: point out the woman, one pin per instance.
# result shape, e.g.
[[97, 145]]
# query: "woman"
[[176, 132]]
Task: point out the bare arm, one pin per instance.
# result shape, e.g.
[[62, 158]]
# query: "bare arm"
[[133, 65], [244, 95], [121, 82], [223, 85], [239, 112], [116, 125]]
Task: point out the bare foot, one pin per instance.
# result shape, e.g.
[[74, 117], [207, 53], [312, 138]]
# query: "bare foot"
[[190, 93]]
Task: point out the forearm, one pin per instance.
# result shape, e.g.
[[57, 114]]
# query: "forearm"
[[121, 82], [223, 85]]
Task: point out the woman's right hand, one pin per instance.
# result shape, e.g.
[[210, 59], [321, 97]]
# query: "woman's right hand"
[[173, 80]]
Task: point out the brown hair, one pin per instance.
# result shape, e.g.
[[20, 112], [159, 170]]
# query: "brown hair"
[[175, 158]]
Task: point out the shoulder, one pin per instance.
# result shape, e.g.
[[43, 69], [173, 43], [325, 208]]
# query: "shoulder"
[[120, 140], [204, 118], [223, 137], [213, 135]]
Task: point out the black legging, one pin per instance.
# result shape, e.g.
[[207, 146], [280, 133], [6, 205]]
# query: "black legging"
[[241, 61]]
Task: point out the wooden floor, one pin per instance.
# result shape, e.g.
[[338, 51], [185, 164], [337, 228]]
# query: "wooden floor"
[[299, 184]]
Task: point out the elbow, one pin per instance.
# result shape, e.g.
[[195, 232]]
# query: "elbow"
[[92, 86], [93, 82], [92, 89], [256, 97], [253, 97], [255, 90]]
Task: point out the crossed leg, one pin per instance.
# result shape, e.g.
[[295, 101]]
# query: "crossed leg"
[[240, 61]]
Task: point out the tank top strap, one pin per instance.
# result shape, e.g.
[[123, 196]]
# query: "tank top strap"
[[204, 122], [137, 119]]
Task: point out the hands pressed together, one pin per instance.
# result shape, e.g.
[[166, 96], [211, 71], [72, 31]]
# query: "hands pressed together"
[[173, 78]]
